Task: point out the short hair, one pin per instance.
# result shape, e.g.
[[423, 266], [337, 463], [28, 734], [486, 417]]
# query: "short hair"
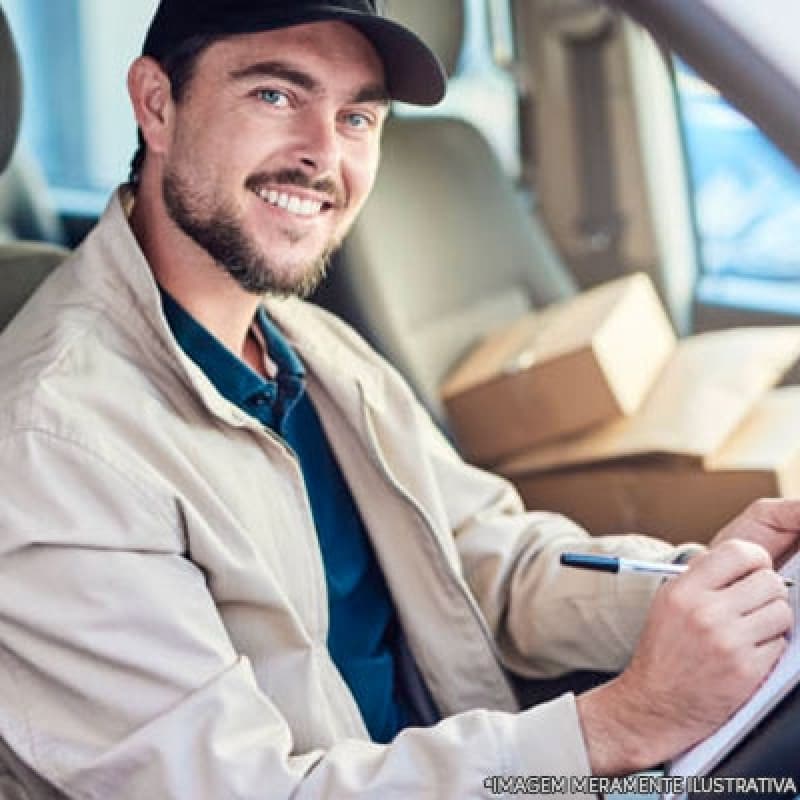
[[179, 67]]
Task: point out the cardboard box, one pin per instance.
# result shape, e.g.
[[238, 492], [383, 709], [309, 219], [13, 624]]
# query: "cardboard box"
[[560, 370], [678, 502], [704, 393], [677, 497]]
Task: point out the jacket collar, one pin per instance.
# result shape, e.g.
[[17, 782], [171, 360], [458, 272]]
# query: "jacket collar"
[[346, 374], [122, 277]]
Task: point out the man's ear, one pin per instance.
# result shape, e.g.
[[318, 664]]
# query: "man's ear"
[[151, 96]]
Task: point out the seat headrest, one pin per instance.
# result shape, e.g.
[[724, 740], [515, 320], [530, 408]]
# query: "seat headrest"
[[10, 93], [440, 23]]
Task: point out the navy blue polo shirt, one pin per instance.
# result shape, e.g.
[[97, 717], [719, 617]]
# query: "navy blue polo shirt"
[[363, 621]]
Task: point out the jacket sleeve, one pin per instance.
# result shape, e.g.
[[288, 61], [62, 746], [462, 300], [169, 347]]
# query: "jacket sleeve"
[[546, 620], [118, 678]]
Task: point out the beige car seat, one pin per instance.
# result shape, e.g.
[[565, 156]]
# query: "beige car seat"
[[23, 265], [25, 208]]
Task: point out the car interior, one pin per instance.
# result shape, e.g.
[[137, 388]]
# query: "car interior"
[[472, 223], [596, 184], [413, 276], [25, 258]]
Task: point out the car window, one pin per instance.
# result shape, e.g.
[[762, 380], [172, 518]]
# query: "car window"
[[746, 197], [77, 121]]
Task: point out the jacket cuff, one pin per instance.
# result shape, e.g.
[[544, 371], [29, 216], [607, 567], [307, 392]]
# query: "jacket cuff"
[[549, 744]]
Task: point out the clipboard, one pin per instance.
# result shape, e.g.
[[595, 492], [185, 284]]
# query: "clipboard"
[[765, 732], [772, 750]]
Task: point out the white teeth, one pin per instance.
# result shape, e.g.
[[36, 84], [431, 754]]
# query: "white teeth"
[[292, 204]]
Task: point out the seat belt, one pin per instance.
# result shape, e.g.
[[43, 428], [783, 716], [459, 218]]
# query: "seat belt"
[[600, 222]]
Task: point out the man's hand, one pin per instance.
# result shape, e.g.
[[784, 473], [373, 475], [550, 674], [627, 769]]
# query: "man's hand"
[[773, 524], [712, 636]]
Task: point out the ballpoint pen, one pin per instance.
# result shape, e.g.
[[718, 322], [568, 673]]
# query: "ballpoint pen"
[[615, 564]]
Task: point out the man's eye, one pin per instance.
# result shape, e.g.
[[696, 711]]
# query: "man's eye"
[[358, 121], [274, 97]]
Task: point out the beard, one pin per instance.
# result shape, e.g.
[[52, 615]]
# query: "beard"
[[216, 228]]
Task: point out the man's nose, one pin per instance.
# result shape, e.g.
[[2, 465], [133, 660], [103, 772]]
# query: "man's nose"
[[319, 148]]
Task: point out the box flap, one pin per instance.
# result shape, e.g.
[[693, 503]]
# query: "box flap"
[[442, 342], [635, 344], [543, 335], [703, 394], [769, 437]]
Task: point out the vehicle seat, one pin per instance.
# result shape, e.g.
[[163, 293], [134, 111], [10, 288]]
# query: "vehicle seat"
[[25, 210], [445, 249], [23, 265]]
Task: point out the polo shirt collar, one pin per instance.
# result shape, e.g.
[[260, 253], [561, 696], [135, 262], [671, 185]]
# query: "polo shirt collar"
[[233, 378], [280, 351]]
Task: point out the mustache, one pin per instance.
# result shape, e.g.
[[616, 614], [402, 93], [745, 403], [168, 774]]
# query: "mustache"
[[295, 177]]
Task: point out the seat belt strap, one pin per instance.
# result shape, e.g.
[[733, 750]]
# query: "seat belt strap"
[[600, 222]]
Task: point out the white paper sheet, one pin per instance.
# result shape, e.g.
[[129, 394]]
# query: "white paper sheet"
[[702, 758]]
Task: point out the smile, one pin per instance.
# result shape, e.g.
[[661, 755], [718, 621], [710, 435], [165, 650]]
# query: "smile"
[[291, 203]]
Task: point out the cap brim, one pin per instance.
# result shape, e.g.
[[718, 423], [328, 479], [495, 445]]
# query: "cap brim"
[[413, 72]]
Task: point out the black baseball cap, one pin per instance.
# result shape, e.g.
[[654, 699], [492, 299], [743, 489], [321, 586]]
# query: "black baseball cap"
[[413, 73]]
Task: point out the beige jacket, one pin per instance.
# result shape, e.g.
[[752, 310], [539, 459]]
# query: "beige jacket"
[[162, 606]]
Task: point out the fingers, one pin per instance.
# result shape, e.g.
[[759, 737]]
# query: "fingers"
[[712, 636], [731, 561], [756, 590], [764, 658], [748, 599], [773, 523], [781, 515], [770, 653], [770, 622]]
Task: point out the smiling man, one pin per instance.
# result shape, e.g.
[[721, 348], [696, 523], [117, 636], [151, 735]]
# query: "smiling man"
[[300, 131], [273, 154], [238, 559]]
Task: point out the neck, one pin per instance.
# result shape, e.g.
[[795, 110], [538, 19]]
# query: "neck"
[[189, 274]]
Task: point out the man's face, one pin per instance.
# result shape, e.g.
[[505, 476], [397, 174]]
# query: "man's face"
[[274, 151]]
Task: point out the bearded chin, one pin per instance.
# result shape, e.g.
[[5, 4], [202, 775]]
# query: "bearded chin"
[[220, 234]]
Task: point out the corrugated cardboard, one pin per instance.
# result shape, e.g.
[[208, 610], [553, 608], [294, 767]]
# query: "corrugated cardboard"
[[572, 365], [704, 393], [681, 498]]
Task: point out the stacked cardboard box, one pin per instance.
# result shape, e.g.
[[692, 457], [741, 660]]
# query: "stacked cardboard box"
[[679, 498], [704, 437], [564, 369]]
